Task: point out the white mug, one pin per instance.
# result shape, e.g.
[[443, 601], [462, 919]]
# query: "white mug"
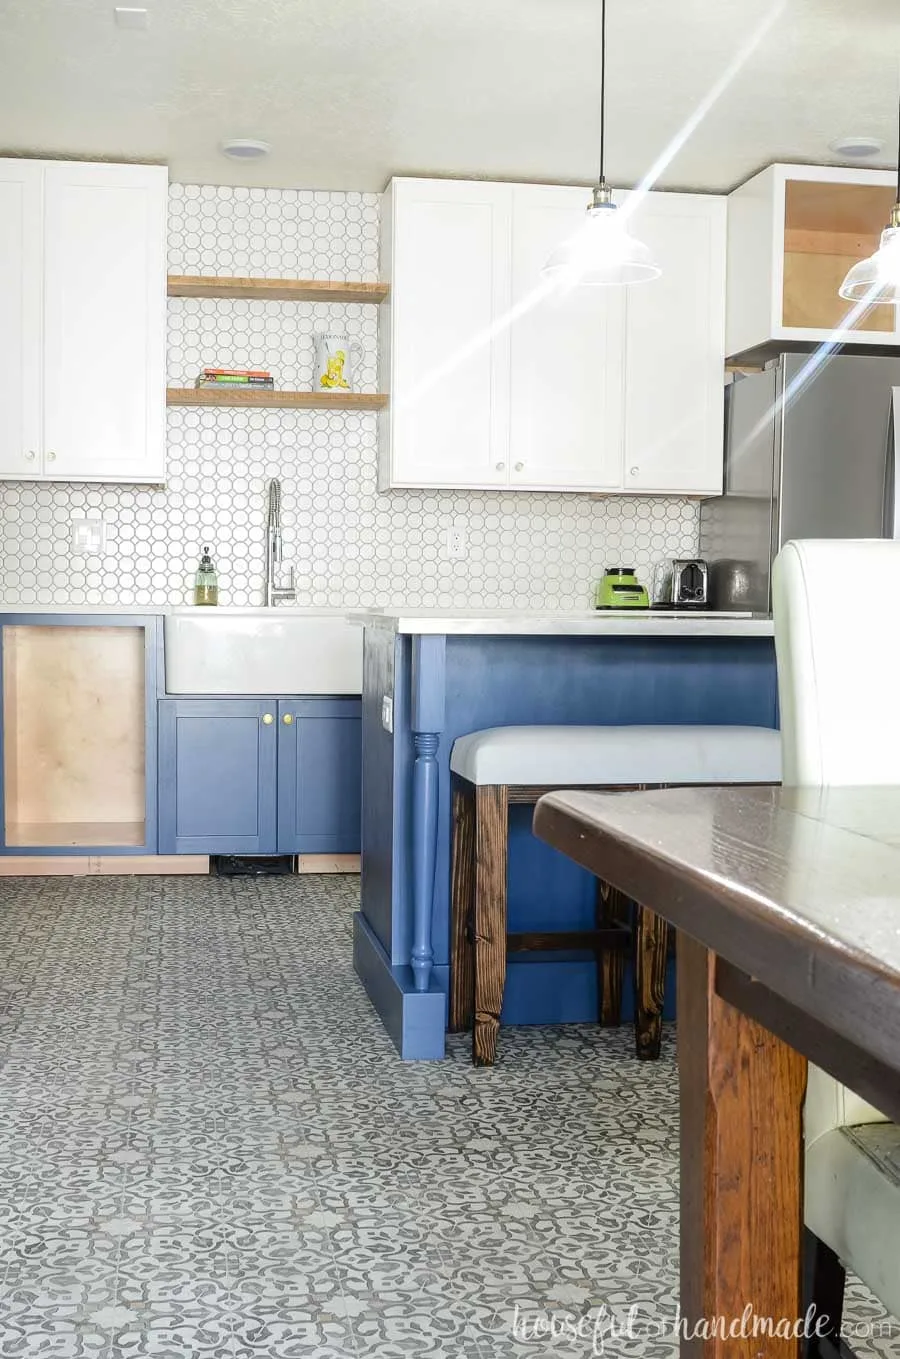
[[335, 358]]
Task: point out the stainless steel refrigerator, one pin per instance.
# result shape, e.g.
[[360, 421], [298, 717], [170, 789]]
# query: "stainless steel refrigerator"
[[810, 452]]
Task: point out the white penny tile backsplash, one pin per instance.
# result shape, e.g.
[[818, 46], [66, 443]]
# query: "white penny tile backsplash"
[[349, 544]]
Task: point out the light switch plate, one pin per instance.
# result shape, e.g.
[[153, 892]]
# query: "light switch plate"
[[131, 16], [387, 712], [88, 537]]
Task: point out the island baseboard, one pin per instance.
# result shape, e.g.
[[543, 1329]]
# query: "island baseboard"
[[415, 1020]]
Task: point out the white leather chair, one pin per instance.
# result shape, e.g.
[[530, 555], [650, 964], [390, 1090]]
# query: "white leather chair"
[[838, 652]]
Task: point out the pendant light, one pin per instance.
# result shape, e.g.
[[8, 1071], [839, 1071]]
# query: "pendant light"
[[602, 253], [877, 279]]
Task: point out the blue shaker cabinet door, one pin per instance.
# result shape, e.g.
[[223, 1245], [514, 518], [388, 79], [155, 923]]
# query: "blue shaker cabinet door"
[[217, 774], [319, 775]]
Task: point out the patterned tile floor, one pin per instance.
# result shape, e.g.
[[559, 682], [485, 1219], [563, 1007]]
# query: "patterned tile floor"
[[208, 1147]]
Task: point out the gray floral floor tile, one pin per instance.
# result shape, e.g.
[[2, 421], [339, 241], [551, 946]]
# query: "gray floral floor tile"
[[415, 1326], [208, 1147], [39, 1334]]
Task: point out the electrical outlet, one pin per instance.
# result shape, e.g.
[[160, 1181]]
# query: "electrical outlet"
[[88, 536], [456, 543]]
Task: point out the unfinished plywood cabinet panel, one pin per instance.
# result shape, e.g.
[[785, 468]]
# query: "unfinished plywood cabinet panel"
[[74, 726], [793, 233], [827, 229]]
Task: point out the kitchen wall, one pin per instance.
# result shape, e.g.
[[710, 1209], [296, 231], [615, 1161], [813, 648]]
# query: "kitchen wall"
[[350, 545]]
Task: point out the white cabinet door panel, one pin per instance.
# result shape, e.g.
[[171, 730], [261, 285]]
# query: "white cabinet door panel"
[[450, 350], [20, 318], [675, 349], [566, 370], [497, 380], [104, 322]]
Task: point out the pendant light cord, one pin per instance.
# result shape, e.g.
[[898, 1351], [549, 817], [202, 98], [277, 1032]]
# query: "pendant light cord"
[[603, 95]]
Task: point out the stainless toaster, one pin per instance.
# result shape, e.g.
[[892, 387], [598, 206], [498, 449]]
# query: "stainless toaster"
[[690, 583]]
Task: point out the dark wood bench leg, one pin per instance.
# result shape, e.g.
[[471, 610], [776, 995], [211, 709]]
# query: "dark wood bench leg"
[[651, 937], [610, 908], [491, 827], [462, 901]]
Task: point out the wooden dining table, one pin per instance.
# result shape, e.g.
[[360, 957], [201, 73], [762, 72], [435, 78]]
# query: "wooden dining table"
[[787, 907]]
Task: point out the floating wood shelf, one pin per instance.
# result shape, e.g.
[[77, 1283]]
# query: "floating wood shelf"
[[276, 289], [317, 401]]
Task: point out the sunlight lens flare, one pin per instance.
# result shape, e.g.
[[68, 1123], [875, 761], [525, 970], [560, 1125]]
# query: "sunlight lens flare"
[[821, 356], [556, 276], [602, 253]]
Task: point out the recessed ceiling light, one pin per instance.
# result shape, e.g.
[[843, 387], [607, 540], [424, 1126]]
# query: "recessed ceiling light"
[[856, 146], [130, 16], [245, 148]]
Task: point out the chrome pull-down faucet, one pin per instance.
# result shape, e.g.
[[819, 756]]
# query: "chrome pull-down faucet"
[[274, 592]]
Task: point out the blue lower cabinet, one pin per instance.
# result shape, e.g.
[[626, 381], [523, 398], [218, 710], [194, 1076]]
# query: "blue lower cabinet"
[[217, 772], [259, 776], [319, 775]]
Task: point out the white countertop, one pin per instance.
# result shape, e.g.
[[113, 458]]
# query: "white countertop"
[[144, 610], [164, 610], [588, 623], [475, 622]]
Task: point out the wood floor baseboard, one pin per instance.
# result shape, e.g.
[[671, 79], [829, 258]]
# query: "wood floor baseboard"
[[91, 865], [328, 863], [107, 865]]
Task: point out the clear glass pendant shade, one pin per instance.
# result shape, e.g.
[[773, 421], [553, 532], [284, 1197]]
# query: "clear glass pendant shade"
[[877, 279], [602, 253]]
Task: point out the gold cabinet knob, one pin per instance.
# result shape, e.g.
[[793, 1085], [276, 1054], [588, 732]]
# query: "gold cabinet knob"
[[268, 719], [288, 719]]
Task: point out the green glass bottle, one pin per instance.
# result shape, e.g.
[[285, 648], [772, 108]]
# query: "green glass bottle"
[[206, 582]]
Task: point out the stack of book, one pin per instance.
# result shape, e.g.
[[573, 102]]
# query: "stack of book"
[[240, 379]]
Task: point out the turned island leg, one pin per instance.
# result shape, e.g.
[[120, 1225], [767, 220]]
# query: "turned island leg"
[[424, 831], [428, 681]]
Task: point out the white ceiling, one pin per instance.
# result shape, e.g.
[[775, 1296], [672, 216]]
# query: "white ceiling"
[[349, 92]]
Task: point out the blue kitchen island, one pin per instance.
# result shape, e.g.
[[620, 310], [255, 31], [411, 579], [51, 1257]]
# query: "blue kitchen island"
[[429, 678]]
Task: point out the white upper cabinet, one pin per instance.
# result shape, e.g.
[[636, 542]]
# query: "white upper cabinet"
[[496, 381], [445, 246], [794, 231], [104, 321], [20, 317], [92, 325], [566, 357], [675, 348]]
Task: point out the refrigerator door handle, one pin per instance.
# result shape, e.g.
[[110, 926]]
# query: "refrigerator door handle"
[[891, 505]]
